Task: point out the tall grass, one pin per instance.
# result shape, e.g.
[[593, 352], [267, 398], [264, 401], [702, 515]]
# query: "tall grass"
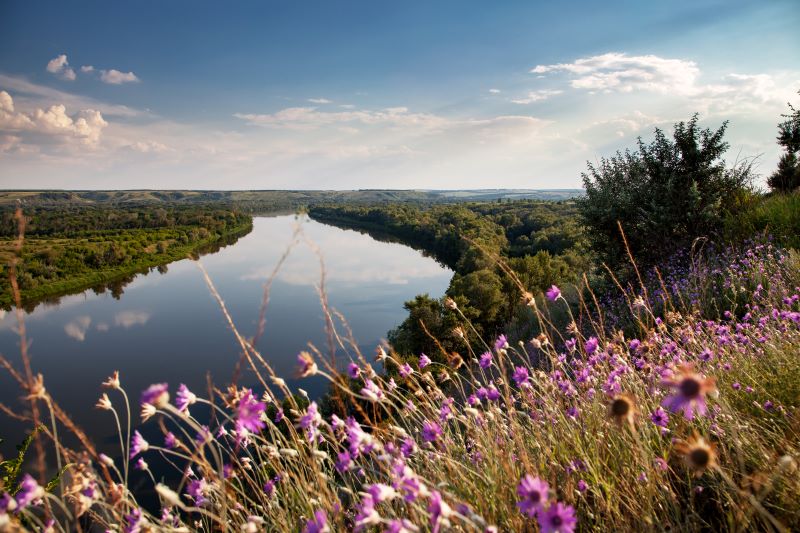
[[689, 424]]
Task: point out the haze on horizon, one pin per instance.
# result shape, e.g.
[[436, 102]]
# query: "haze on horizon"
[[347, 95]]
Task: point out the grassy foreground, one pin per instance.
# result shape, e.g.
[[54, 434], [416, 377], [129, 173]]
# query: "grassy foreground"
[[689, 423]]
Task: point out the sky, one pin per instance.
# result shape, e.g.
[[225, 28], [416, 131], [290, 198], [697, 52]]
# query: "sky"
[[445, 94]]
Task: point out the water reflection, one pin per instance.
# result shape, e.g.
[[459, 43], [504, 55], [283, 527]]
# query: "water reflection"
[[167, 327]]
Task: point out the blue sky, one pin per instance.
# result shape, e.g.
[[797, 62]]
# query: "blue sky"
[[434, 94]]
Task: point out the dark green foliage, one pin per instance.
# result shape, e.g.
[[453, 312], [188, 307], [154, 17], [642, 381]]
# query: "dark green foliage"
[[787, 176], [665, 194]]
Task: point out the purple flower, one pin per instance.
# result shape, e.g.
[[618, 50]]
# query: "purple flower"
[[372, 391], [533, 495], [501, 343], [591, 345], [582, 486], [405, 370], [558, 518], [485, 360], [431, 431], [521, 376], [138, 444], [353, 371], [197, 490], [248, 414], [660, 418], [29, 492], [424, 361], [318, 524], [133, 521], [184, 398], [344, 461], [688, 393], [439, 511], [553, 293], [156, 394], [170, 442], [310, 422]]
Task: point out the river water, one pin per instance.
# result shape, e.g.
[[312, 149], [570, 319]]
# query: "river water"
[[166, 327]]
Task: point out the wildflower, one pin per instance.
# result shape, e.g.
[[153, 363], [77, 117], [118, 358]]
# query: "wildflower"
[[148, 411], [688, 393], [106, 460], [431, 431], [170, 442], [553, 293], [440, 512], [381, 492], [29, 492], [405, 370], [400, 526], [138, 444], [533, 495], [248, 414], [622, 409], [344, 461], [198, 490], [141, 464], [485, 360], [156, 394], [660, 418], [501, 343], [591, 345], [558, 518], [698, 454], [184, 398], [134, 521], [582, 486], [310, 422], [372, 391], [455, 360], [424, 361], [113, 381], [367, 515], [353, 371], [318, 524], [450, 303], [306, 364], [169, 495], [521, 376], [104, 402]]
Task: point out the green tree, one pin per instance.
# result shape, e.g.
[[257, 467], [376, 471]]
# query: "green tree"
[[787, 176], [665, 194]]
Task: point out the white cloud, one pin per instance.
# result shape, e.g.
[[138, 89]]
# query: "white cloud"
[[320, 101], [78, 327], [311, 117], [115, 77], [620, 72], [85, 126], [128, 319], [494, 91], [87, 69], [537, 96], [60, 67]]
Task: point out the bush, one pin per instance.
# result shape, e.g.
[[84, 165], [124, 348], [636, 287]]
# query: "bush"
[[665, 194], [787, 176]]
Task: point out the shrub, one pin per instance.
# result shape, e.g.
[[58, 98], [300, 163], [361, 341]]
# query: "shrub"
[[665, 194]]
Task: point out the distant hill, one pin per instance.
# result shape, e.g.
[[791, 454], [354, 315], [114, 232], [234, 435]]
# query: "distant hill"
[[273, 199]]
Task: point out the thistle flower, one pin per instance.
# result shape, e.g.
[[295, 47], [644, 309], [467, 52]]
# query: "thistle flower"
[[306, 365], [198, 490], [688, 393], [248, 414], [147, 412], [405, 370], [138, 444], [156, 394], [184, 398], [424, 361], [533, 493], [553, 293], [698, 454], [318, 524], [622, 409], [486, 360], [558, 518], [372, 391], [521, 376], [591, 345]]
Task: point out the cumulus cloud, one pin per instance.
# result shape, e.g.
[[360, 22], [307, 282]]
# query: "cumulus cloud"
[[128, 319], [115, 77], [320, 101], [87, 69], [60, 67], [537, 96], [85, 126], [620, 72], [78, 327]]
